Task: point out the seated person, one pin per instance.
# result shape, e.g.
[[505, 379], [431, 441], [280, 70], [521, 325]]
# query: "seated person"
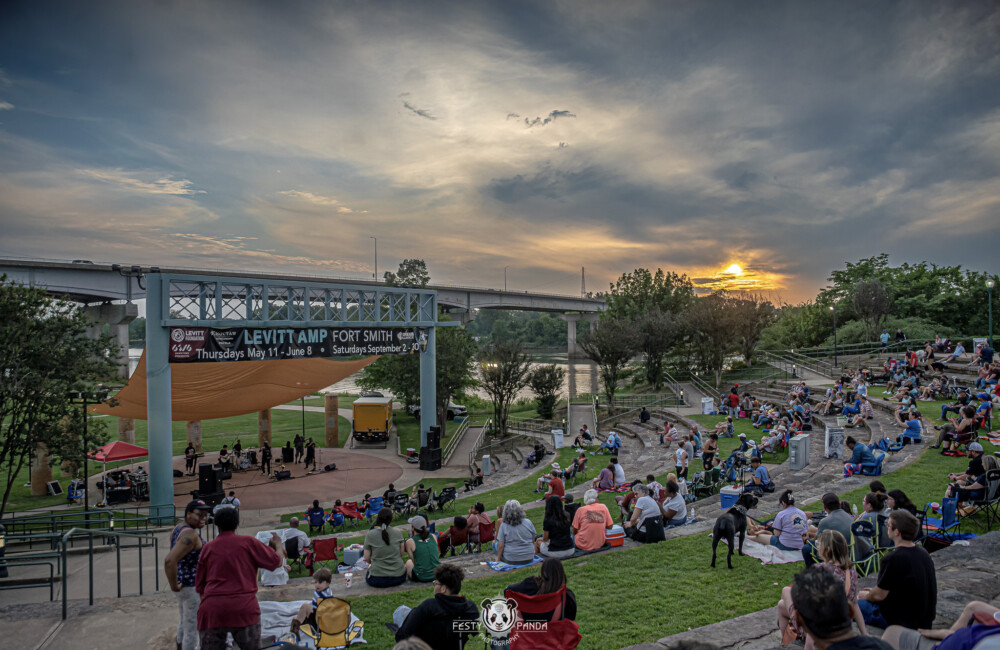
[[433, 620], [590, 523], [760, 482], [535, 456], [551, 578], [644, 415], [389, 494], [556, 487], [477, 517], [957, 353], [726, 428], [865, 413], [709, 451], [571, 506], [657, 491], [711, 476], [957, 431], [975, 468], [956, 407], [626, 502], [584, 437], [474, 482], [418, 500], [613, 442], [619, 472], [422, 547], [860, 454], [515, 542], [383, 551], [973, 488], [556, 540], [968, 632], [645, 508], [307, 613], [293, 531], [606, 479], [772, 440], [674, 509], [542, 483], [822, 611], [456, 535], [580, 463], [912, 424], [787, 529]]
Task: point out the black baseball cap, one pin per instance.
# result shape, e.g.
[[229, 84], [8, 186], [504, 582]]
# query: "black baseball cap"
[[197, 504]]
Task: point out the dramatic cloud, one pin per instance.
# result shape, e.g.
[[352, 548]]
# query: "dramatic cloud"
[[784, 138]]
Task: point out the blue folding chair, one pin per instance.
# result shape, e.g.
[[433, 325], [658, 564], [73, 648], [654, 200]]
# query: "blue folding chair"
[[873, 469], [946, 528], [865, 530], [374, 505]]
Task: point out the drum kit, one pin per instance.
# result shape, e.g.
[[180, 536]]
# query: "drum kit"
[[123, 486], [243, 460]]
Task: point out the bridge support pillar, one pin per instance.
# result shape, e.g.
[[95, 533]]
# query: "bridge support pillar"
[[41, 471], [263, 427], [126, 430], [118, 317], [428, 385], [571, 347], [330, 407], [467, 316], [194, 434]]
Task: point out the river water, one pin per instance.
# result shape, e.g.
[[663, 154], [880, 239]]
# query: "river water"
[[581, 376]]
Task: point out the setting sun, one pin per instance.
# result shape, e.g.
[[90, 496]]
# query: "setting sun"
[[735, 270]]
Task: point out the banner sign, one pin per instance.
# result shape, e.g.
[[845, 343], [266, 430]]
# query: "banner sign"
[[194, 344]]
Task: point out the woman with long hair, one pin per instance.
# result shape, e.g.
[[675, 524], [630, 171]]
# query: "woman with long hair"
[[551, 578], [787, 529], [422, 547], [836, 556], [384, 553], [899, 501], [515, 542], [556, 540]]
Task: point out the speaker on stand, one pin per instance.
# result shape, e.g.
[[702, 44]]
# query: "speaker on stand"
[[430, 458], [434, 437], [207, 479]]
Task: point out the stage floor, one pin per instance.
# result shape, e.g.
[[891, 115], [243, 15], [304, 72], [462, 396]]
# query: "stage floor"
[[356, 473]]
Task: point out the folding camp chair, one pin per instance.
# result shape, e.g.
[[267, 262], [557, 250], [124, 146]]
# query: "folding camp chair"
[[487, 533], [325, 550], [333, 624], [990, 503], [401, 503], [945, 528], [317, 518], [351, 512], [873, 469], [292, 552], [549, 608], [336, 520], [869, 563], [372, 508], [445, 496]]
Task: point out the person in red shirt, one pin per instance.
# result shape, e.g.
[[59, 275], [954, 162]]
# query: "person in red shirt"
[[556, 486], [226, 580]]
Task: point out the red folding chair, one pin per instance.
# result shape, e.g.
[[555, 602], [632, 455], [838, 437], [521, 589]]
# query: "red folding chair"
[[487, 533], [350, 511], [324, 550], [559, 632]]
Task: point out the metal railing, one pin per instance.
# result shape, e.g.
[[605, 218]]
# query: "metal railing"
[[639, 400], [506, 444], [143, 539], [480, 439], [453, 441], [791, 361], [519, 426], [675, 386]]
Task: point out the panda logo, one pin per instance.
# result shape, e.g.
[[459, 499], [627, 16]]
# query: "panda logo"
[[499, 614]]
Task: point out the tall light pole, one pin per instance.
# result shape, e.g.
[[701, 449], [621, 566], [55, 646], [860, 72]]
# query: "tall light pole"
[[834, 310], [505, 278], [989, 302], [376, 255]]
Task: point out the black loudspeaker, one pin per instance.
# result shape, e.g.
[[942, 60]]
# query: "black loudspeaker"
[[430, 458], [287, 455], [223, 475], [207, 479], [178, 473], [283, 476], [330, 467], [434, 437]]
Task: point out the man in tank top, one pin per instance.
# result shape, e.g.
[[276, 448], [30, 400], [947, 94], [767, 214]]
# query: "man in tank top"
[[180, 566]]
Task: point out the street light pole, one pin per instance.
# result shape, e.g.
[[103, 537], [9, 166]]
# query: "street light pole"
[[376, 255], [989, 299], [834, 310], [505, 278]]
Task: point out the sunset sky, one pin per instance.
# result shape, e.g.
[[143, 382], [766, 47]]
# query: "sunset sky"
[[781, 137]]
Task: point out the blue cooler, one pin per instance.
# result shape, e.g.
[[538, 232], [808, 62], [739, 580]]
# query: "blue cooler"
[[729, 496]]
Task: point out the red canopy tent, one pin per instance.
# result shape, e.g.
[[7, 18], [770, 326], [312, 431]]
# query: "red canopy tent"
[[117, 450], [112, 452]]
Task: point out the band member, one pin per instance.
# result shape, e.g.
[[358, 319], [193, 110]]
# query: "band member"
[[265, 458], [190, 456]]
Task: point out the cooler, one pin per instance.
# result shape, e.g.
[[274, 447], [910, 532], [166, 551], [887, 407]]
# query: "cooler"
[[352, 555], [615, 536], [728, 495]]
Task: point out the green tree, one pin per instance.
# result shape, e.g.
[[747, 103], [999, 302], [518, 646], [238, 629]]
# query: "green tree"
[[546, 382], [657, 335], [399, 374], [871, 302], [611, 346], [412, 274], [714, 334], [46, 356], [751, 315], [504, 369], [636, 293], [456, 351]]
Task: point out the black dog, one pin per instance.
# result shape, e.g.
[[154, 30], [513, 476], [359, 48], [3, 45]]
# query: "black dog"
[[734, 521]]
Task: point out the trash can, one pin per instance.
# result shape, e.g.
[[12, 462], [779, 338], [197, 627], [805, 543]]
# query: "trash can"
[[557, 439], [707, 405], [798, 451], [728, 495], [834, 443], [841, 421], [486, 465]]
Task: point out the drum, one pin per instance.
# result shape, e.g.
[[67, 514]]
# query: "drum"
[[245, 461]]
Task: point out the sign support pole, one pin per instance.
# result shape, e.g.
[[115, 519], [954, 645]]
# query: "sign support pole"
[[428, 385], [158, 400]]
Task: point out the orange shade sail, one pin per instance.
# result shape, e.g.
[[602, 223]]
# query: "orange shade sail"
[[205, 391]]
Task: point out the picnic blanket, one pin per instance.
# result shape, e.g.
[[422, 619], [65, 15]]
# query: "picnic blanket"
[[580, 552], [621, 489], [768, 554], [503, 566], [276, 620]]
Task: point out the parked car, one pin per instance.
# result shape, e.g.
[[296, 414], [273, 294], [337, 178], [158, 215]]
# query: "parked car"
[[453, 410], [371, 393]]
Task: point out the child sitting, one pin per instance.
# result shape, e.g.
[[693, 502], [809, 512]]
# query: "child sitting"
[[307, 613]]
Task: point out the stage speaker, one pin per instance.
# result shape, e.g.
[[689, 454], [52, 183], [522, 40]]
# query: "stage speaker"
[[287, 455], [223, 475], [434, 437], [207, 479], [430, 458], [283, 476], [330, 467]]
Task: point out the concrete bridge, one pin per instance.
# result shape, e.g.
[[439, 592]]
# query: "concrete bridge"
[[100, 286]]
